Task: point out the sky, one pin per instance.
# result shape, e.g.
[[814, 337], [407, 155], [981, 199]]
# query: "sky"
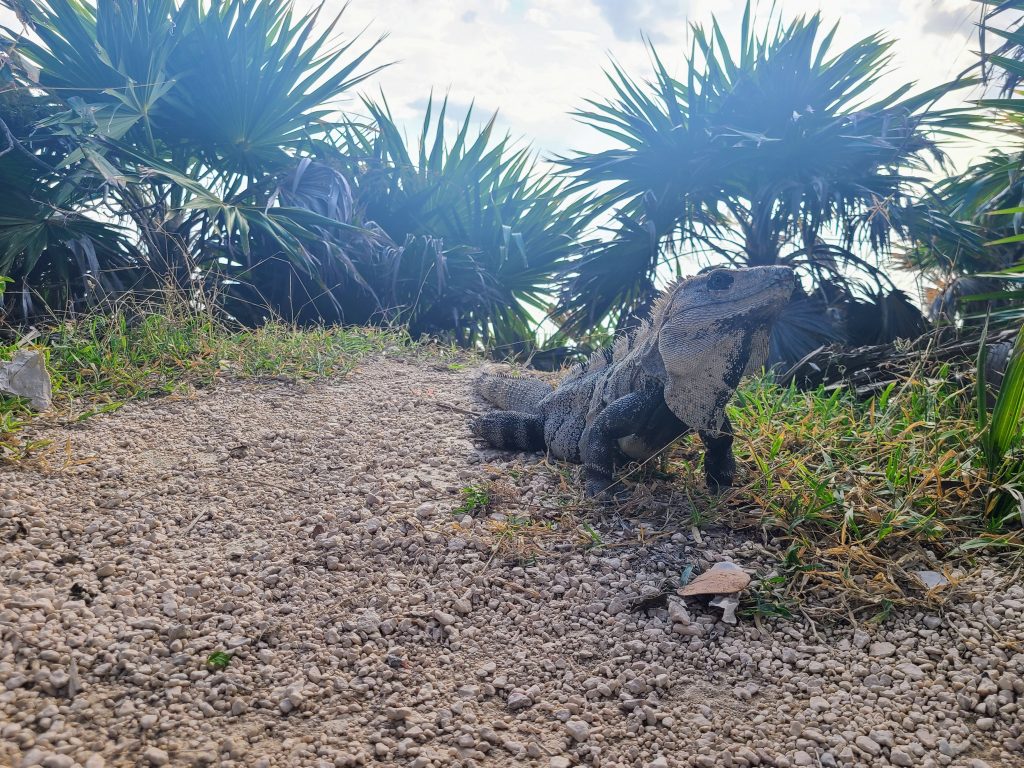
[[534, 61]]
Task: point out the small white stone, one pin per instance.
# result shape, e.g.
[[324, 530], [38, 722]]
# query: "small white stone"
[[677, 612], [444, 619], [868, 745], [819, 704], [578, 729], [912, 671], [882, 650], [58, 761], [901, 758], [156, 756]]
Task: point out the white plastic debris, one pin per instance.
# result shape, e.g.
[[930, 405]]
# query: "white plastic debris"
[[931, 579], [26, 376], [728, 604]]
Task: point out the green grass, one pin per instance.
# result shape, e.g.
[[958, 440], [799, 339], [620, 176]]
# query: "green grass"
[[101, 362], [475, 499], [219, 660], [861, 491]]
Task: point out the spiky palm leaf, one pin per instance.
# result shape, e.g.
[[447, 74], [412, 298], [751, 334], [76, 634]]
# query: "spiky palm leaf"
[[978, 278], [770, 152], [480, 233], [181, 117]]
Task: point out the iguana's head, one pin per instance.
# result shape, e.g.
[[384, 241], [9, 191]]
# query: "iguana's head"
[[708, 331]]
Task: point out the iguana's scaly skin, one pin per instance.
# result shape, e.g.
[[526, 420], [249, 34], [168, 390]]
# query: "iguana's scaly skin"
[[673, 375]]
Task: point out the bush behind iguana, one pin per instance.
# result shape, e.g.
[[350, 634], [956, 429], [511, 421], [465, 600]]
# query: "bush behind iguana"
[[673, 375]]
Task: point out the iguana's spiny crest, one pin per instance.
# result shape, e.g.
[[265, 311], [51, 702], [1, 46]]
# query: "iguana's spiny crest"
[[673, 375]]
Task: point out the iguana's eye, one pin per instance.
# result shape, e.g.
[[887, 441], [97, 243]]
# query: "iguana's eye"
[[719, 281]]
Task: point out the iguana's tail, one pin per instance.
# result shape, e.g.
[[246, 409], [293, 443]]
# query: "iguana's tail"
[[511, 430], [509, 393]]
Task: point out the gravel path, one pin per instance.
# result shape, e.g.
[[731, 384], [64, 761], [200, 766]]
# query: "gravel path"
[[308, 531]]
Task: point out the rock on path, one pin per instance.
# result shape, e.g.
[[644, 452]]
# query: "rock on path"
[[307, 531]]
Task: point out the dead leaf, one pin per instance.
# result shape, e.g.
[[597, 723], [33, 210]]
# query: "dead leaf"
[[720, 579]]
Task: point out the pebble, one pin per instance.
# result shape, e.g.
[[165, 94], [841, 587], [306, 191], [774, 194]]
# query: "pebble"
[[912, 671], [819, 704], [901, 758], [518, 700], [868, 745], [882, 650], [578, 730], [156, 756]]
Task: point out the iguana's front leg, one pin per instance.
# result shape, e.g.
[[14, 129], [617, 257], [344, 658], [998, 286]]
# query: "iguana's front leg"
[[719, 463], [599, 441]]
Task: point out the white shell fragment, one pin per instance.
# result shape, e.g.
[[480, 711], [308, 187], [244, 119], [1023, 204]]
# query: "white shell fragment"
[[728, 604], [26, 376], [720, 579]]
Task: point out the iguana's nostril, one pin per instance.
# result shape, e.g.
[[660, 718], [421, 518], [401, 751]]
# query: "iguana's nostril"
[[719, 281]]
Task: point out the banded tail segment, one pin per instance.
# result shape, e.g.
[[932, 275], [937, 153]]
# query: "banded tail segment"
[[508, 393], [511, 431]]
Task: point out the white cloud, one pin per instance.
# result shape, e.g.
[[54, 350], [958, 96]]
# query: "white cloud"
[[631, 18]]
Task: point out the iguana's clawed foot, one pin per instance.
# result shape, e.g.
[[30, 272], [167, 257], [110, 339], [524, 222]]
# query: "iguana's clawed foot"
[[720, 475], [607, 490]]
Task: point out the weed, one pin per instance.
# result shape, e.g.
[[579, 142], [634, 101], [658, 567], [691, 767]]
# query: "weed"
[[218, 660], [594, 540], [475, 499], [864, 489], [764, 601]]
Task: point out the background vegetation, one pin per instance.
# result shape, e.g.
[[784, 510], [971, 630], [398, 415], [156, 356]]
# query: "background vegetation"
[[148, 150]]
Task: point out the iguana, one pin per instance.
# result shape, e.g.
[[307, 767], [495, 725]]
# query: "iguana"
[[674, 374]]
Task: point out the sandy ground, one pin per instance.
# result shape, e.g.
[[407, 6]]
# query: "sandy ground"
[[308, 531]]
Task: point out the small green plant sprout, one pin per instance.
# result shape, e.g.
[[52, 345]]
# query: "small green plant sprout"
[[218, 660], [594, 540], [474, 499]]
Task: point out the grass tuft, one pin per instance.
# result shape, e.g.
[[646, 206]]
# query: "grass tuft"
[[102, 361], [867, 492]]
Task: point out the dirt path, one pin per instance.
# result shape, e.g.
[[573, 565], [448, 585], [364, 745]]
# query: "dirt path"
[[308, 531]]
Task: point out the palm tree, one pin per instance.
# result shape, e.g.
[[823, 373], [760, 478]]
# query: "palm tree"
[[201, 143], [481, 233], [168, 128], [978, 269], [771, 153]]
